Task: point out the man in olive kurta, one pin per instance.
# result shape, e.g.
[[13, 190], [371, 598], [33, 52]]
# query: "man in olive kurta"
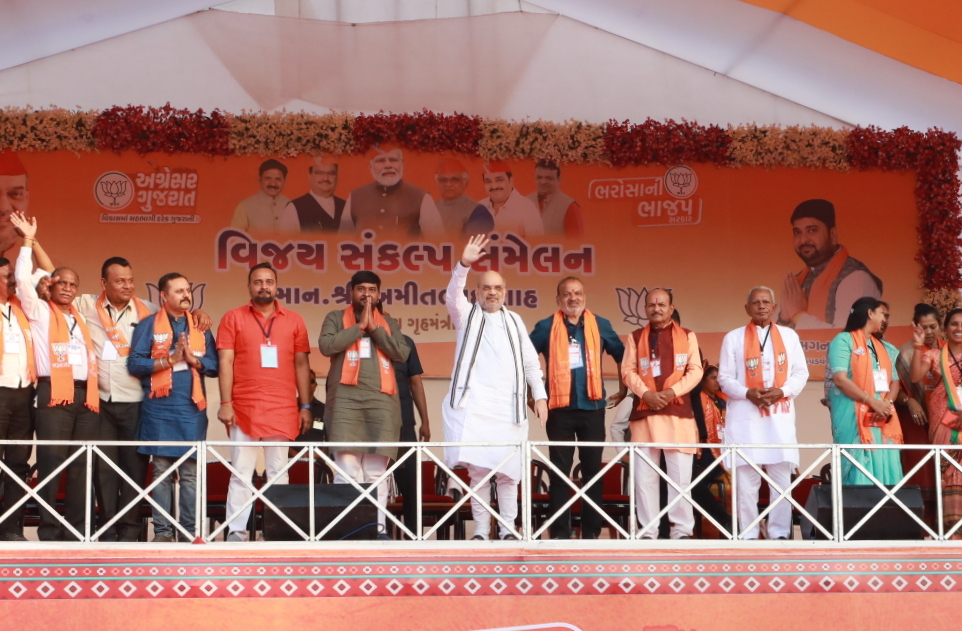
[[362, 401]]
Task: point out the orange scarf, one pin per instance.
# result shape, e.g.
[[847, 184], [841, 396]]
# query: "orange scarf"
[[351, 369], [27, 337], [161, 382], [714, 421], [61, 372], [679, 345], [114, 334], [863, 368], [559, 365], [818, 294], [754, 374]]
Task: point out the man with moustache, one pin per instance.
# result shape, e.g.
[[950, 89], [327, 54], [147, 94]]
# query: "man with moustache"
[[262, 211], [662, 364], [762, 369], [362, 395], [111, 318], [505, 207], [18, 373], [318, 210], [389, 203], [456, 207], [572, 342], [263, 351], [67, 401], [495, 365], [560, 213], [171, 357], [14, 198], [820, 296]]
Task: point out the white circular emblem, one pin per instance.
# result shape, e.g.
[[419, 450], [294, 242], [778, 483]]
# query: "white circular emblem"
[[113, 191], [681, 182]]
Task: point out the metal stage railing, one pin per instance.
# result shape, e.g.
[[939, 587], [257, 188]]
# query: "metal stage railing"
[[443, 493]]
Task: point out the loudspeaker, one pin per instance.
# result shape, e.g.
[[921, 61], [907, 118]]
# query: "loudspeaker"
[[889, 522], [330, 500]]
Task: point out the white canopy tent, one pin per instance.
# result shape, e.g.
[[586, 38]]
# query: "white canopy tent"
[[712, 61]]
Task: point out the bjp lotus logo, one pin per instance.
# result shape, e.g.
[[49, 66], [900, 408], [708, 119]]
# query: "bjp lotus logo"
[[196, 290], [681, 182], [632, 304], [114, 190]]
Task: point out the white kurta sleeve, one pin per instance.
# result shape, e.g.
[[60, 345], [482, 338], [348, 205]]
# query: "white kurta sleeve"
[[532, 366], [289, 223], [728, 362], [798, 370], [430, 219], [347, 223], [458, 306], [26, 290]]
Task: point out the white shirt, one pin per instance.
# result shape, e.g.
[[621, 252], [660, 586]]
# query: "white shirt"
[[113, 380], [518, 214], [15, 365], [745, 423], [489, 409], [38, 312], [289, 222]]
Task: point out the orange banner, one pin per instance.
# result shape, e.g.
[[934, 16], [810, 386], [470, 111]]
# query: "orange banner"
[[708, 233]]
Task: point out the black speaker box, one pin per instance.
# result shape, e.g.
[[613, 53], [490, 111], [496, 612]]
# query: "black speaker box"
[[330, 500], [889, 522]]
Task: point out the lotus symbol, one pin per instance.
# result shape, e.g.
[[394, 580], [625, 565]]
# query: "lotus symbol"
[[681, 180], [113, 189], [632, 304], [197, 293]]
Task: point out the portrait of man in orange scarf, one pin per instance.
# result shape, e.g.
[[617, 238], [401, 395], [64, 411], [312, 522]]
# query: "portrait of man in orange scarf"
[[821, 295]]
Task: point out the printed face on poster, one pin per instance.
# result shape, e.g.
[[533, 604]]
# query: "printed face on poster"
[[710, 234]]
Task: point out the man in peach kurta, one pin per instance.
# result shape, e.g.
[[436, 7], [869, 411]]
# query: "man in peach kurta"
[[661, 366]]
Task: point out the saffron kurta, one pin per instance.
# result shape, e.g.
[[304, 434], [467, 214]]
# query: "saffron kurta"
[[663, 428], [489, 389], [361, 413], [745, 423]]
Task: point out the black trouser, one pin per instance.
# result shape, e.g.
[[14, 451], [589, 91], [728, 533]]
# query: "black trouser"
[[406, 477], [585, 426], [72, 421], [118, 421], [15, 424]]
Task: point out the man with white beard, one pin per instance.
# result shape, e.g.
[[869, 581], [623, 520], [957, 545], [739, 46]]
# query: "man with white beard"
[[389, 204], [495, 369]]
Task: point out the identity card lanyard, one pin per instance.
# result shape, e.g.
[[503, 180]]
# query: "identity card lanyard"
[[268, 351]]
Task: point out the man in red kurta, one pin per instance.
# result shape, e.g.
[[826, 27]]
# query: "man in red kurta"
[[263, 350]]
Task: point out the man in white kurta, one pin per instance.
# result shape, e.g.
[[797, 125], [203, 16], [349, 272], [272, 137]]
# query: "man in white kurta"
[[495, 364], [762, 415]]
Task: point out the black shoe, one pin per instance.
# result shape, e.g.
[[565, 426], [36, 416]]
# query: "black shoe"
[[509, 537], [383, 536], [479, 538], [127, 540], [684, 537], [781, 538], [8, 535], [590, 535]]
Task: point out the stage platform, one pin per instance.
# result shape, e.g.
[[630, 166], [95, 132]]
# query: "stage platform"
[[496, 585]]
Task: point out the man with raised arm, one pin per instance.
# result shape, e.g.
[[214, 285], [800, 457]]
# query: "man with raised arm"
[[68, 404], [495, 365], [263, 352], [762, 369]]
